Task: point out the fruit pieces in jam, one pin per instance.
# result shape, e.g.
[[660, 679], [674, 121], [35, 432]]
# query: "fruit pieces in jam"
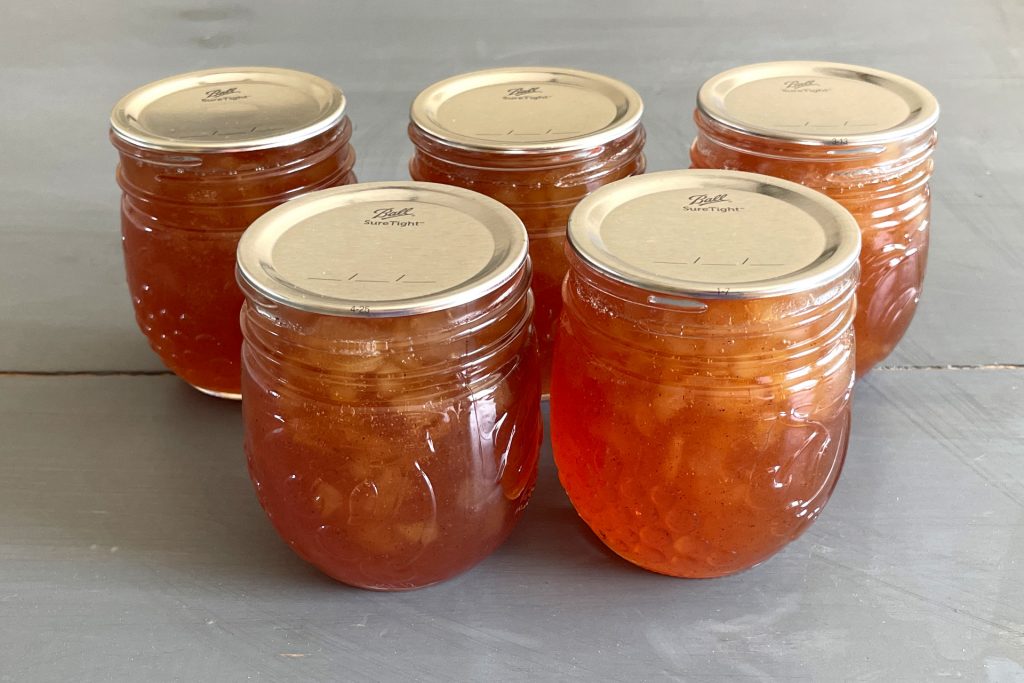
[[698, 444], [391, 453], [886, 189], [542, 189], [182, 215]]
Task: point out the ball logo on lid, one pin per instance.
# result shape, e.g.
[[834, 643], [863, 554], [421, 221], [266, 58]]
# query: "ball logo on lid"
[[224, 94], [393, 217], [534, 93], [706, 202], [808, 85]]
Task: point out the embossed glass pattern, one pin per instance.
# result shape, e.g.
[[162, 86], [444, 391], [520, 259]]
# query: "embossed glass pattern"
[[696, 428], [393, 444], [861, 136]]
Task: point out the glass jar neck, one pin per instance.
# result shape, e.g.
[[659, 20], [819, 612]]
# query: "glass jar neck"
[[407, 359], [850, 162], [232, 178], [740, 339], [543, 188], [579, 165]]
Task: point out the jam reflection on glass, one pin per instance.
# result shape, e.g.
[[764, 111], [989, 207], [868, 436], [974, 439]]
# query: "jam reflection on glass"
[[393, 453], [884, 186], [698, 443], [543, 189], [182, 214]]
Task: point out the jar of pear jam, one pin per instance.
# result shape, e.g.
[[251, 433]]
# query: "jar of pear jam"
[[390, 384], [538, 140], [862, 136], [700, 399], [202, 155]]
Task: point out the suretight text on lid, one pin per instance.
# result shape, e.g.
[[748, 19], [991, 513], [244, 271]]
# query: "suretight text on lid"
[[382, 249], [818, 103], [714, 234], [229, 109], [527, 109]]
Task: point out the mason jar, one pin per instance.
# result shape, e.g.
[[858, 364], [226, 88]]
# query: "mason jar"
[[538, 140], [390, 385], [700, 399], [862, 136], [202, 155]]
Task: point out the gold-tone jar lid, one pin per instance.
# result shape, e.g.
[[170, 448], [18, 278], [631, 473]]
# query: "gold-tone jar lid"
[[818, 103], [714, 234], [527, 109], [382, 249], [228, 110]]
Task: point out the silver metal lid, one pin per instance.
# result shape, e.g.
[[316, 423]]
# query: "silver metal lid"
[[818, 103], [230, 109], [382, 249], [714, 234], [527, 109]]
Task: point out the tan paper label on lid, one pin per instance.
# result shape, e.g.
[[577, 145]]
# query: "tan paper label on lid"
[[383, 251]]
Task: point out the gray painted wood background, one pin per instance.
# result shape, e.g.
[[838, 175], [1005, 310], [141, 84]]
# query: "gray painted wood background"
[[132, 548]]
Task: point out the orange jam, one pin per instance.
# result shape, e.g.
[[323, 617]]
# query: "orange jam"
[[202, 155], [700, 399], [538, 140], [863, 137], [391, 382]]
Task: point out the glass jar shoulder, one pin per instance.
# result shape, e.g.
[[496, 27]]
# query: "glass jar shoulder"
[[548, 179], [226, 179]]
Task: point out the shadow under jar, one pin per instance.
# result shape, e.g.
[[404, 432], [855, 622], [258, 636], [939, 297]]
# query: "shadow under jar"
[[700, 400], [538, 140], [202, 155], [862, 136], [391, 386]]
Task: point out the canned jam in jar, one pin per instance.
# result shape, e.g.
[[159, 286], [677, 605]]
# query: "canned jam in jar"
[[700, 399], [390, 385], [538, 140], [862, 136], [202, 155]]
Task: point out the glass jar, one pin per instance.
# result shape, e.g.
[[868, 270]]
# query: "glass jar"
[[538, 140], [700, 399], [391, 386], [202, 155], [862, 136]]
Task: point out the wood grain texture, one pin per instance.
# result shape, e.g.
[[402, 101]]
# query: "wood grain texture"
[[132, 548], [62, 66]]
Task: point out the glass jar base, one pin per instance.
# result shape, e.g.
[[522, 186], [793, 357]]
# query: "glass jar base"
[[218, 394]]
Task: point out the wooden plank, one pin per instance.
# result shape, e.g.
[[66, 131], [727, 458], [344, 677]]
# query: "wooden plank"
[[131, 547]]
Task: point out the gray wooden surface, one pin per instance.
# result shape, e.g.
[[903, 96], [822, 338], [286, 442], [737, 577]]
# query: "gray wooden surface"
[[131, 546]]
